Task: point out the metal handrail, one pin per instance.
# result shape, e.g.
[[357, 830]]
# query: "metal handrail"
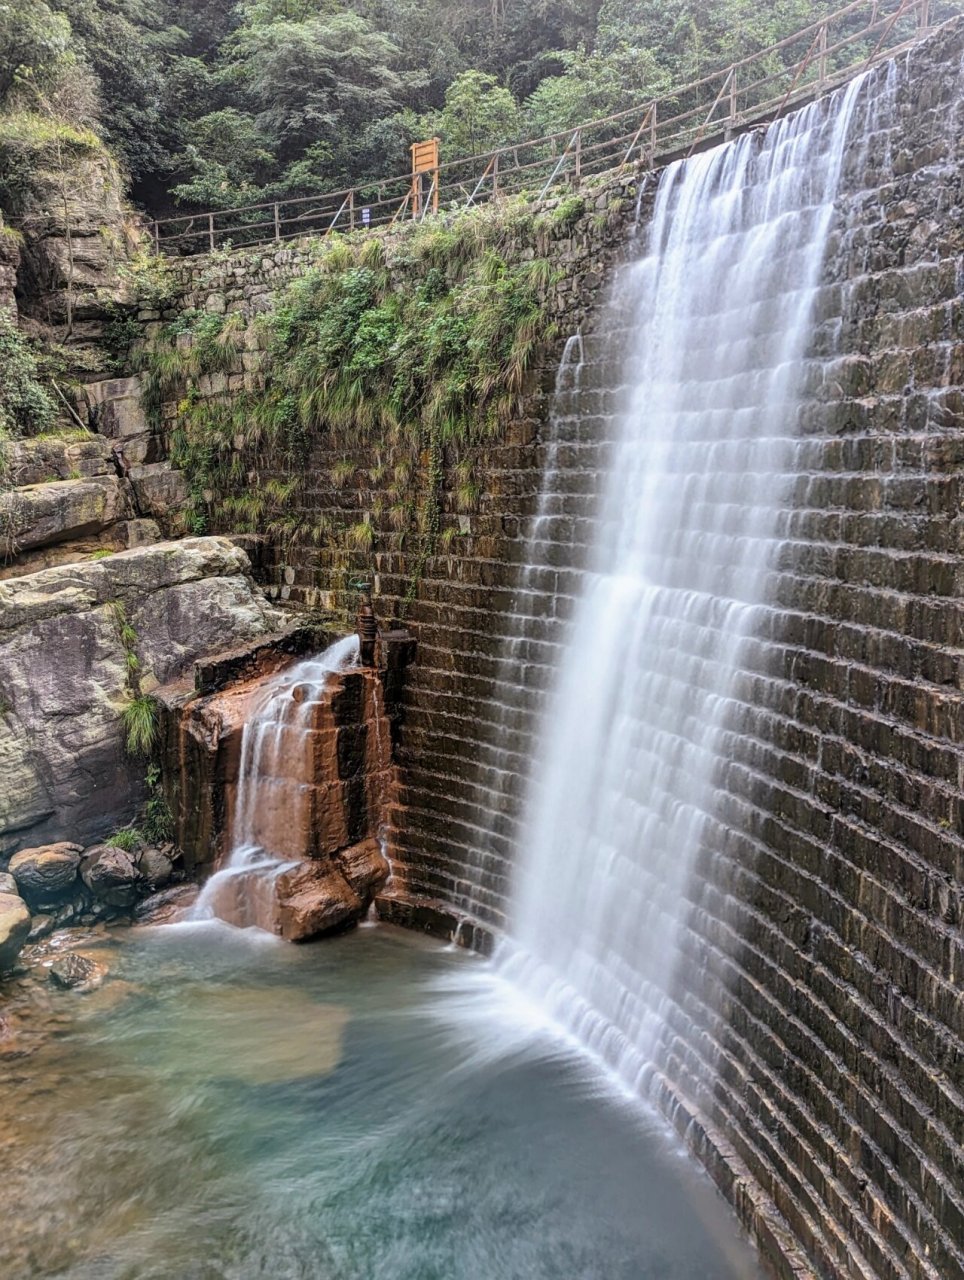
[[650, 134]]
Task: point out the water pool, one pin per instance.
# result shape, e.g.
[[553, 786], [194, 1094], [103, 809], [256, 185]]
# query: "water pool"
[[231, 1108]]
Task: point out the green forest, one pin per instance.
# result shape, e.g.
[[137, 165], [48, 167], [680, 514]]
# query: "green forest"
[[211, 105]]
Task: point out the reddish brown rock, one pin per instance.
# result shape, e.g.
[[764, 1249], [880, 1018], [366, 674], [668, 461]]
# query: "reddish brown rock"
[[365, 868], [315, 899]]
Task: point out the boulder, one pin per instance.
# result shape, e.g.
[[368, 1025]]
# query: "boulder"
[[155, 867], [111, 875], [77, 972], [365, 868], [8, 884], [314, 899], [46, 876], [14, 929]]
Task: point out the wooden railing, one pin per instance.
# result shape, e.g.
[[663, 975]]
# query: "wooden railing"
[[754, 90]]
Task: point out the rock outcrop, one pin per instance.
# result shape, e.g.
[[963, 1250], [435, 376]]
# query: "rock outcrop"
[[77, 231], [68, 499], [9, 266], [42, 515], [116, 411], [72, 457], [64, 675]]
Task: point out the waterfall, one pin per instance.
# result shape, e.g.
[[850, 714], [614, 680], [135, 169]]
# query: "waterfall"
[[268, 789], [715, 318]]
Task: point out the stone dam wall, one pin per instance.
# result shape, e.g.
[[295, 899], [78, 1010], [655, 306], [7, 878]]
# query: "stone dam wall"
[[817, 1064]]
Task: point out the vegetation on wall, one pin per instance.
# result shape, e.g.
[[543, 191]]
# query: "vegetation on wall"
[[416, 345], [139, 717]]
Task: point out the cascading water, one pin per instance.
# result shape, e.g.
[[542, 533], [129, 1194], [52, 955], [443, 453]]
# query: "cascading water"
[[622, 795], [243, 891]]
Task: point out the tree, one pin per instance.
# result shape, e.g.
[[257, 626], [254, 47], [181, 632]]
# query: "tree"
[[325, 78], [594, 86], [34, 42], [479, 115], [128, 44], [228, 159]]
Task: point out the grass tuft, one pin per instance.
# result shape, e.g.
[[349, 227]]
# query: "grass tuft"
[[140, 724]]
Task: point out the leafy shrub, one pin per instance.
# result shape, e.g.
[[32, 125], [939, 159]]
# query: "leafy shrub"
[[26, 406]]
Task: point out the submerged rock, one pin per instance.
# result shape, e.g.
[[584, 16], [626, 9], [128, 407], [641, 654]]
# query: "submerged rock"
[[14, 929], [47, 875], [8, 884], [77, 972]]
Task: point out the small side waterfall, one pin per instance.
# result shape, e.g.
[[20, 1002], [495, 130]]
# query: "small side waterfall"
[[716, 318], [271, 790]]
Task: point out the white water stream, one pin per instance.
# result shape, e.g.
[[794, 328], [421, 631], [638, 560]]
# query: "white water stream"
[[242, 891], [623, 793]]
